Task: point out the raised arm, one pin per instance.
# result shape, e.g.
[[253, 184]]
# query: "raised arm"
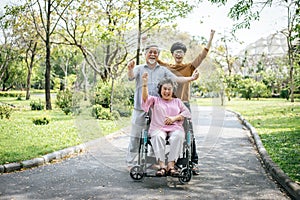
[[130, 67], [198, 60], [145, 86], [162, 63], [182, 79]]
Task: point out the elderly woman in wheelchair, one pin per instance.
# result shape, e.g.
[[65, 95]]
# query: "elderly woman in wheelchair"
[[167, 116]]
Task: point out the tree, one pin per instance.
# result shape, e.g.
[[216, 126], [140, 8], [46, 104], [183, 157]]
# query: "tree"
[[11, 66], [108, 34], [28, 41], [46, 18], [225, 60], [292, 37], [244, 12], [156, 13]]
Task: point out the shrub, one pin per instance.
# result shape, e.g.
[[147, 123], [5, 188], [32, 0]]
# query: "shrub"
[[12, 94], [122, 97], [36, 105], [101, 95], [68, 101], [249, 88], [100, 112], [64, 101], [41, 121], [5, 111]]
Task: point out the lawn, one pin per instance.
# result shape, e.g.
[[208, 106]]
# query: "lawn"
[[21, 140], [277, 122]]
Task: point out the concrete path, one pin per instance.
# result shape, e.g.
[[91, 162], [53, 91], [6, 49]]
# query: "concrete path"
[[230, 169]]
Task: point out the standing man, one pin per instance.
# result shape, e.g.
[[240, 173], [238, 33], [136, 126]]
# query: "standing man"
[[155, 74], [178, 51]]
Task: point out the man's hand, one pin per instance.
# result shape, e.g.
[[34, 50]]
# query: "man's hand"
[[131, 65], [212, 32], [195, 75]]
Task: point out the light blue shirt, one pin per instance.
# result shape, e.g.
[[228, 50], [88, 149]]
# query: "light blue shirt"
[[154, 76]]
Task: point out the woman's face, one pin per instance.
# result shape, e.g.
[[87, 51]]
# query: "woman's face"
[[167, 91]]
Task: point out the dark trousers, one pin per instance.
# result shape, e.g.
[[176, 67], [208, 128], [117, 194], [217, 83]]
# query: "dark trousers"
[[189, 126]]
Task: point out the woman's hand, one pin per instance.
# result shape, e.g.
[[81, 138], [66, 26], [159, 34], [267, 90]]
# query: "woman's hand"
[[171, 120], [145, 78]]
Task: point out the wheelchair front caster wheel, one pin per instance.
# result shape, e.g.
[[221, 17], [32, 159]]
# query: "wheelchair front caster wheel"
[[185, 175], [136, 173]]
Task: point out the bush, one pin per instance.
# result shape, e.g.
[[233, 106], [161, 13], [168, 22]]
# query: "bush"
[[12, 94], [249, 88], [284, 94], [101, 95], [36, 105], [102, 113], [5, 111], [41, 121], [122, 97], [69, 101]]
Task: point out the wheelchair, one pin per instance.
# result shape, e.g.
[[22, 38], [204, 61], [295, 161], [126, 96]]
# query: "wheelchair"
[[146, 158]]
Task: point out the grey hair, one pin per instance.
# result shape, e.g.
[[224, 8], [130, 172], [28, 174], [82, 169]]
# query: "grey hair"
[[150, 46]]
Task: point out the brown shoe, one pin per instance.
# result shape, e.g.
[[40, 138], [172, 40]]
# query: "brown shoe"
[[173, 172]]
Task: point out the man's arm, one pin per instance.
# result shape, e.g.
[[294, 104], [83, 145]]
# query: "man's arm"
[[182, 79], [198, 60], [162, 63], [130, 67]]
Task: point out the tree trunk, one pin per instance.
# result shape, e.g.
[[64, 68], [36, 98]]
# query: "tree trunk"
[[30, 67], [48, 64], [112, 95], [85, 80], [139, 33]]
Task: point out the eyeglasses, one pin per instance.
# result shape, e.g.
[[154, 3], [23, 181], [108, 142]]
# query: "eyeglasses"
[[179, 52]]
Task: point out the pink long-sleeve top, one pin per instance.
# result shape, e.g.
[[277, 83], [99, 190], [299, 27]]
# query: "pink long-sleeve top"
[[160, 109]]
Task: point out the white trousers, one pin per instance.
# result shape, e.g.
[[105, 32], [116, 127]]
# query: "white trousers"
[[158, 141]]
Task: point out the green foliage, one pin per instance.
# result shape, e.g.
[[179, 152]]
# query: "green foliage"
[[64, 101], [37, 105], [12, 94], [69, 101], [101, 96], [249, 88], [284, 94], [5, 111], [122, 97], [41, 121], [100, 112]]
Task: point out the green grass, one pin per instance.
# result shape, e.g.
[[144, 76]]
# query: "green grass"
[[277, 122], [21, 140]]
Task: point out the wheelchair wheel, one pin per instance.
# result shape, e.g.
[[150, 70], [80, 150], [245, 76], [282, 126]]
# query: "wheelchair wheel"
[[185, 175], [137, 173]]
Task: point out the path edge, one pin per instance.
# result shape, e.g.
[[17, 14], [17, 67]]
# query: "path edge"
[[291, 187]]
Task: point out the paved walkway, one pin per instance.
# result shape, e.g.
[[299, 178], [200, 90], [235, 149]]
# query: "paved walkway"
[[230, 169]]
